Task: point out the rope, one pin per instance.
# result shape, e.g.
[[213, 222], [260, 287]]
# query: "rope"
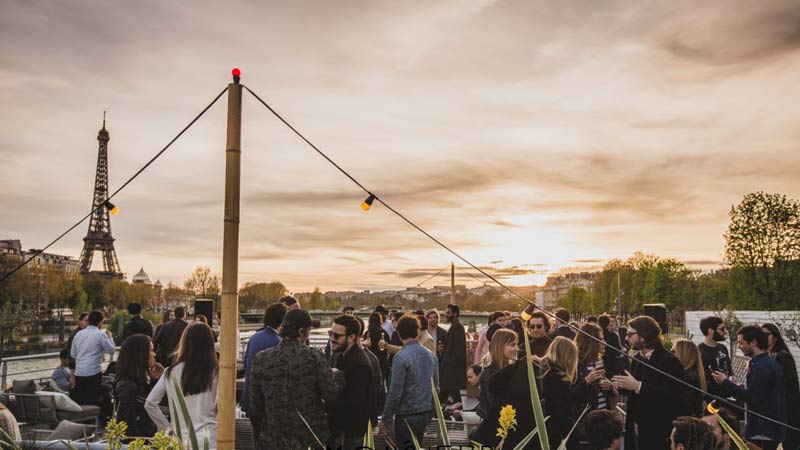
[[39, 252], [498, 282], [431, 277]]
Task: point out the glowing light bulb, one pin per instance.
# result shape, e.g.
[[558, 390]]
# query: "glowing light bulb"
[[236, 72], [112, 208], [365, 205], [527, 313]]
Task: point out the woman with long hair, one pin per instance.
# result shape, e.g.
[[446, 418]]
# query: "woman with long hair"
[[562, 389], [136, 372], [590, 357], [196, 370], [693, 371], [503, 350], [555, 374], [375, 333], [776, 347]]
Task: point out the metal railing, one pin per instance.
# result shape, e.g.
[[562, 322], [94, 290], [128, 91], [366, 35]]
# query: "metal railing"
[[41, 356]]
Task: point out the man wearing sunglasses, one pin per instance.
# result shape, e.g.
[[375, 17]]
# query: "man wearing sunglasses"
[[349, 413], [715, 356], [539, 327]]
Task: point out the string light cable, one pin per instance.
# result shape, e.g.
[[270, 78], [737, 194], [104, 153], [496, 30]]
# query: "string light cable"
[[119, 189], [432, 276], [372, 196]]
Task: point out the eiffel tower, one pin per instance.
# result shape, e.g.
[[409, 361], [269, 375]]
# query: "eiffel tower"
[[99, 237]]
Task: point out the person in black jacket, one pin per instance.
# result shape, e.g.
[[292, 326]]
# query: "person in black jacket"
[[375, 334], [167, 339], [378, 397], [763, 392], [137, 324], [562, 327], [558, 387], [137, 371], [777, 349], [453, 364], [613, 358], [653, 399], [693, 372], [349, 413]]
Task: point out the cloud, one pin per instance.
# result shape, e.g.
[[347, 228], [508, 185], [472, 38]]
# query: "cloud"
[[736, 33], [504, 223], [587, 261]]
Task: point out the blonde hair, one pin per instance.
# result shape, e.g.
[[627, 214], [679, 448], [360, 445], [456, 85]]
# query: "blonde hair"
[[562, 355], [500, 339], [690, 358]]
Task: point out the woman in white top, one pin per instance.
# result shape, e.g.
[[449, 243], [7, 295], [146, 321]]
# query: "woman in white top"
[[196, 370]]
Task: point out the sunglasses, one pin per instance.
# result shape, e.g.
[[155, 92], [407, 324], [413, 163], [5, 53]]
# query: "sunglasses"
[[537, 326], [335, 335]]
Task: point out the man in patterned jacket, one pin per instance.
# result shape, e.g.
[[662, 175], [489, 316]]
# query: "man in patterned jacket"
[[289, 381]]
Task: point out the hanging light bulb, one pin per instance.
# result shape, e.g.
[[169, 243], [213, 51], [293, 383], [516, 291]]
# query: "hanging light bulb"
[[368, 202], [527, 313], [113, 209]]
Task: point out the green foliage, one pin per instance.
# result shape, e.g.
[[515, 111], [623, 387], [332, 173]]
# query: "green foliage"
[[112, 323], [316, 300], [259, 295], [762, 246]]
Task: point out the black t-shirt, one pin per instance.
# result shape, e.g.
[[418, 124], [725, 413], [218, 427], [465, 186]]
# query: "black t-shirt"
[[715, 358]]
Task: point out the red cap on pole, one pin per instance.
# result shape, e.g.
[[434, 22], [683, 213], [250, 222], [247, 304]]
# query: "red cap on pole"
[[236, 73]]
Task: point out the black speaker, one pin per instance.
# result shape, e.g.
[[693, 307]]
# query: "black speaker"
[[206, 308], [659, 313]]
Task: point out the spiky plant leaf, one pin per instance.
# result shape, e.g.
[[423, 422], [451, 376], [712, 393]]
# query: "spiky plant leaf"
[[440, 416], [526, 439], [563, 445], [538, 414], [311, 430], [740, 444], [185, 410], [413, 437]]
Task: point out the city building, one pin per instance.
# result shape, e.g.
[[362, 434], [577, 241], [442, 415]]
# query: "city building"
[[557, 287]]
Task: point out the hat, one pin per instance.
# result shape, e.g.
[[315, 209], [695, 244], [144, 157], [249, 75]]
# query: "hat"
[[300, 318], [381, 309]]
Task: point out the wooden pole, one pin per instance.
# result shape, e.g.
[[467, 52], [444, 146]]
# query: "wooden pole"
[[452, 283], [229, 344]]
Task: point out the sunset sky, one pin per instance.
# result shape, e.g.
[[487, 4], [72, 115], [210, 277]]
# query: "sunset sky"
[[532, 137]]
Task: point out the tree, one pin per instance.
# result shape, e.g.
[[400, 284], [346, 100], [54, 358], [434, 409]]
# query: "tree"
[[19, 299], [574, 301], [203, 283], [317, 300], [762, 247], [259, 295]]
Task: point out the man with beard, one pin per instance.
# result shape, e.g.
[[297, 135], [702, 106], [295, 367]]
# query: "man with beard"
[[763, 392], [715, 356], [652, 396], [349, 413], [453, 364]]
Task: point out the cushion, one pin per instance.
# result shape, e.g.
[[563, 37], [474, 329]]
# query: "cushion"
[[23, 387], [63, 402], [70, 431], [87, 413]]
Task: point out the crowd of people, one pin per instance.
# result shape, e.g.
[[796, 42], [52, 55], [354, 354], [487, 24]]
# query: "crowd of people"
[[603, 385]]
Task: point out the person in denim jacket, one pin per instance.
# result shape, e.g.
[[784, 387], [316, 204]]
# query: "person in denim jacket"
[[409, 403]]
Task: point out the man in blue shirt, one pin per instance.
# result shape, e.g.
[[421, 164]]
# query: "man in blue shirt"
[[87, 350], [263, 339], [764, 391], [409, 403]]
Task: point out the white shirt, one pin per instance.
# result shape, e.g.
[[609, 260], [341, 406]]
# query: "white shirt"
[[202, 407], [87, 350]]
